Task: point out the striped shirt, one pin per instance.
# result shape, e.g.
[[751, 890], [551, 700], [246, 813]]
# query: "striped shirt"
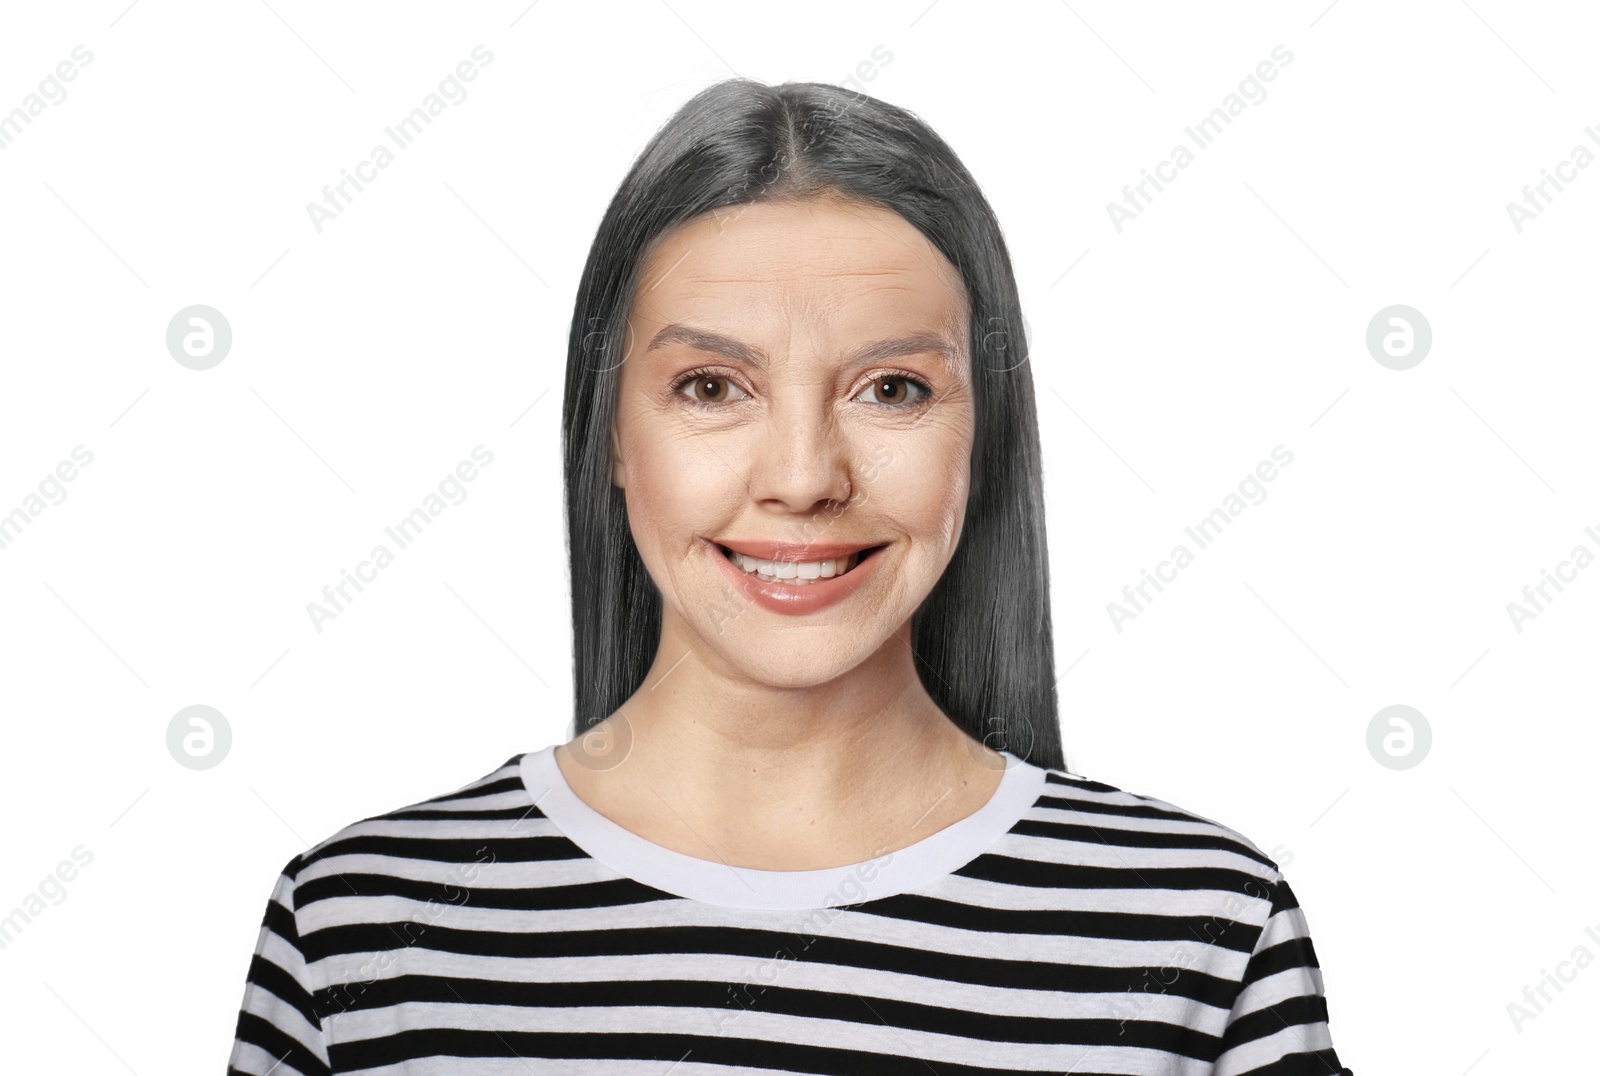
[[509, 928]]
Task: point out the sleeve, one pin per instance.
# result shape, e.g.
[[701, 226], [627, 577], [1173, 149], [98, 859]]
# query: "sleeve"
[[1279, 1022], [279, 1030]]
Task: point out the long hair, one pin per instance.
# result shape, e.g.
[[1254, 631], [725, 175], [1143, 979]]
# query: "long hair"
[[981, 638]]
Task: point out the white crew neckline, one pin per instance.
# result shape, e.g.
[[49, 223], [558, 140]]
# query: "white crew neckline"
[[711, 882]]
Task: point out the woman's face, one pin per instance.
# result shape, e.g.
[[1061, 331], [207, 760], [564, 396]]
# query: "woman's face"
[[795, 377]]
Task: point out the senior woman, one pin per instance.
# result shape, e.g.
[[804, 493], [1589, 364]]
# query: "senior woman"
[[815, 816]]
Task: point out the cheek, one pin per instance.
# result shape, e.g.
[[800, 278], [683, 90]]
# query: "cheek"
[[946, 504], [923, 488], [673, 486]]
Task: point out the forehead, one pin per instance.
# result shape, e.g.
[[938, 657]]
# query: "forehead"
[[821, 265]]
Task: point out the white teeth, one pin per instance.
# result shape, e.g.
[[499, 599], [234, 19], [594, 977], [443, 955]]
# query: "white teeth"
[[800, 573]]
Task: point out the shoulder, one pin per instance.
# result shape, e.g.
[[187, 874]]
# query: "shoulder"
[[1082, 820], [441, 830]]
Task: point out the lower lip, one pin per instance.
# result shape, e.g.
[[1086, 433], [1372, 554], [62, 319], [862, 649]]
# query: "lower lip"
[[791, 599]]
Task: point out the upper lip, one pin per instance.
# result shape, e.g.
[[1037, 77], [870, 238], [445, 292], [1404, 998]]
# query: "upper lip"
[[801, 552]]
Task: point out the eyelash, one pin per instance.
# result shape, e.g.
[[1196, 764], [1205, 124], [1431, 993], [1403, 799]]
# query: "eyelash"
[[924, 398]]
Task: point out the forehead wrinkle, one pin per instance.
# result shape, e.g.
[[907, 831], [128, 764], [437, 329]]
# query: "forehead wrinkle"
[[788, 273], [947, 340], [950, 342], [833, 274], [938, 268], [808, 309], [951, 352]]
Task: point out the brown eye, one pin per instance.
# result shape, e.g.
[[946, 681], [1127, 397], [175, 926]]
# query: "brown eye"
[[895, 391], [710, 389]]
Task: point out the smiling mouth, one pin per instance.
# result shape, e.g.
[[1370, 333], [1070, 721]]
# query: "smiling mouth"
[[797, 573]]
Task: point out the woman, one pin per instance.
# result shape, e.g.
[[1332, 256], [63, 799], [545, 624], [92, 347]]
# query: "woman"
[[815, 818]]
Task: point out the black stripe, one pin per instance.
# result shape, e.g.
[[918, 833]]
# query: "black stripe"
[[605, 894], [1011, 870], [667, 1049], [1020, 972], [283, 986], [255, 1031], [531, 849], [1135, 984]]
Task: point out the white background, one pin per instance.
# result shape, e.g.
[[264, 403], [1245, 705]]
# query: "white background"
[[431, 317]]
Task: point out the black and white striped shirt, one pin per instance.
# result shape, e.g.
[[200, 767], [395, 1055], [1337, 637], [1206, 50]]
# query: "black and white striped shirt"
[[509, 928]]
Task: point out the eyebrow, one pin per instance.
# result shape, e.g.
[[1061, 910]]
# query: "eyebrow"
[[705, 340]]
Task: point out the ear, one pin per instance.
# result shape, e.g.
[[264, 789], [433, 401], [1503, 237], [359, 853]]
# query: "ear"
[[618, 474]]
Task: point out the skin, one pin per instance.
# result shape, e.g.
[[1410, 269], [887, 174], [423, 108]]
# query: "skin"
[[758, 739]]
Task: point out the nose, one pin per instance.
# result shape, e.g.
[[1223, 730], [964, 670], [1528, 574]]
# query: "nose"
[[802, 461]]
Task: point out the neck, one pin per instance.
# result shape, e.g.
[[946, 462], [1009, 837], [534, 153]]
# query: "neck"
[[707, 761]]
